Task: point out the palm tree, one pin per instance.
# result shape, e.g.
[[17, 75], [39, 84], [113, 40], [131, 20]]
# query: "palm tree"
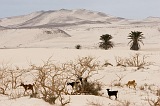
[[106, 43], [135, 37]]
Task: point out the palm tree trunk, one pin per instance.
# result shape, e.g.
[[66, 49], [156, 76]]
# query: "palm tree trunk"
[[135, 46]]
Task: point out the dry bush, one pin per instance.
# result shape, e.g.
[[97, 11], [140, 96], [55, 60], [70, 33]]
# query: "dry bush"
[[117, 82], [120, 61], [4, 81], [154, 102], [9, 77], [136, 60], [83, 69], [51, 80], [120, 77], [14, 76], [91, 88]]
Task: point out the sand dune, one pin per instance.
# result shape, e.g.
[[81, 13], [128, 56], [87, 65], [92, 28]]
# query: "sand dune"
[[13, 38]]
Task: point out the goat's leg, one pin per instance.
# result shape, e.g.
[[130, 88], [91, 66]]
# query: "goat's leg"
[[24, 92], [116, 96], [109, 97], [32, 90], [134, 86]]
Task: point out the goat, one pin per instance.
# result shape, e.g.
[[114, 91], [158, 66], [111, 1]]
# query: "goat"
[[131, 83], [72, 84], [112, 93], [83, 80], [27, 87], [75, 87]]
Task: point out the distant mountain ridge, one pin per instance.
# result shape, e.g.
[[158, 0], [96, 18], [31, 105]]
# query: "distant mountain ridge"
[[65, 17], [58, 18]]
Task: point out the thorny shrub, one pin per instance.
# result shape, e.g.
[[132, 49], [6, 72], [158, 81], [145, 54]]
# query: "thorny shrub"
[[51, 79], [136, 60]]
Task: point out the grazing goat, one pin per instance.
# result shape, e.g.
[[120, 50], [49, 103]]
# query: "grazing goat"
[[72, 84], [27, 87], [131, 83], [112, 93]]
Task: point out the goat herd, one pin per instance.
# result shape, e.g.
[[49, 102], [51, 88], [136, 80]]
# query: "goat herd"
[[73, 84], [114, 93]]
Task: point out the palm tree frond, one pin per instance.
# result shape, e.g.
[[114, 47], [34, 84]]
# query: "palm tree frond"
[[106, 43], [136, 37]]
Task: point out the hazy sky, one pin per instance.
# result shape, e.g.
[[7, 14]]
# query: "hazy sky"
[[132, 9]]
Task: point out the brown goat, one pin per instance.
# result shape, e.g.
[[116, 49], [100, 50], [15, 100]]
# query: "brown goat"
[[132, 83]]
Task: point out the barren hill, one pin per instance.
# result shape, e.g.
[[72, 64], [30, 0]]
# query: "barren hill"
[[58, 18]]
